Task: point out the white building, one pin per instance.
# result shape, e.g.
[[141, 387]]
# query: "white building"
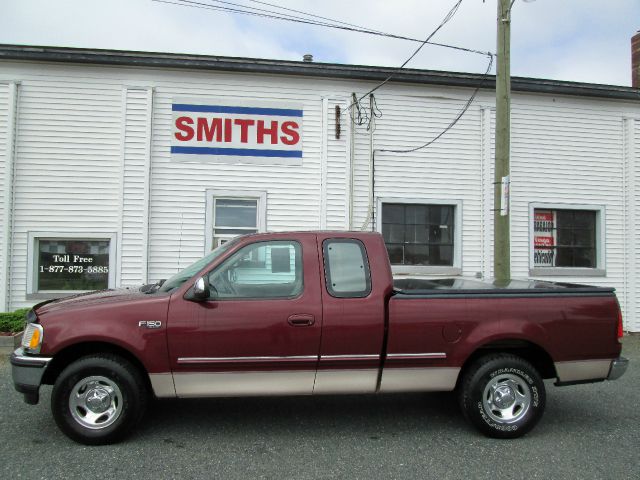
[[109, 179]]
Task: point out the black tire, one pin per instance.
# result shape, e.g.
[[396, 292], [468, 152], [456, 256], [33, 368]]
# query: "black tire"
[[502, 395], [98, 399]]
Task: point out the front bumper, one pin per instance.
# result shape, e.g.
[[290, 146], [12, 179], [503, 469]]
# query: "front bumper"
[[618, 367], [27, 372]]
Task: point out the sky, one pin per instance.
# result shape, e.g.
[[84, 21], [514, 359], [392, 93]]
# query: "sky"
[[577, 40]]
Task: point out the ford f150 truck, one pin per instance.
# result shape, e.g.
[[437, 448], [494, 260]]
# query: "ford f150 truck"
[[314, 313]]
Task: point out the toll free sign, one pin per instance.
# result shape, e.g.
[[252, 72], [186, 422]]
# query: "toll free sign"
[[239, 132]]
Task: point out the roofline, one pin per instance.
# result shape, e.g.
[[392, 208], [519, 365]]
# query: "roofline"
[[311, 69]]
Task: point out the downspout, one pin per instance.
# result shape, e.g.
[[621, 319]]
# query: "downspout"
[[147, 185], [9, 176], [352, 149], [372, 127]]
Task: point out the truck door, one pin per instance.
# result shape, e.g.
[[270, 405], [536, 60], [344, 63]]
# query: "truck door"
[[259, 334], [353, 319]]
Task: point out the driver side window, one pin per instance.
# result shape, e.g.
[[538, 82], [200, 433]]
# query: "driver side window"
[[259, 271]]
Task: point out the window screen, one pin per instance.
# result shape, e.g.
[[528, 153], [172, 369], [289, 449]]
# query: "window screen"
[[346, 268]]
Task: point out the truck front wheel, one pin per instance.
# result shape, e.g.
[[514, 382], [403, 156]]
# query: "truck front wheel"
[[98, 399], [502, 395]]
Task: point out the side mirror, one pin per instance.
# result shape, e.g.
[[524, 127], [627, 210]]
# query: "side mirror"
[[200, 291]]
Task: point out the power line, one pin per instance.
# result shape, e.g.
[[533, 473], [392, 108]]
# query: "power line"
[[444, 21], [455, 120], [291, 18]]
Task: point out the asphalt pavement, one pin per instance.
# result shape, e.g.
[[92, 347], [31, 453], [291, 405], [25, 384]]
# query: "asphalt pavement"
[[587, 432]]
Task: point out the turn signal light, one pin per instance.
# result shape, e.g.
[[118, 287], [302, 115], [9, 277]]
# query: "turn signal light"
[[35, 339], [32, 338]]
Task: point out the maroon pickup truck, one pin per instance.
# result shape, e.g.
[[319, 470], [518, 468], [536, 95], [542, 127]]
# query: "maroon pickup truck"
[[314, 313]]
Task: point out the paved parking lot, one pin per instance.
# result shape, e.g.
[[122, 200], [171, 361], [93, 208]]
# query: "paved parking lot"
[[588, 431]]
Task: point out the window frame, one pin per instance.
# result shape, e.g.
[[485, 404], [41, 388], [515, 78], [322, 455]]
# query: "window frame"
[[213, 194], [599, 270], [456, 268], [32, 261]]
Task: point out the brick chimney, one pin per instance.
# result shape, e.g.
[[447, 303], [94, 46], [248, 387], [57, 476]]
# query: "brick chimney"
[[635, 60]]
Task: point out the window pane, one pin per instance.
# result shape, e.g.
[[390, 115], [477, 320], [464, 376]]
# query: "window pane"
[[416, 234], [73, 264], [393, 232], [395, 252], [260, 270], [442, 255], [416, 255], [565, 238], [346, 268], [393, 214], [416, 215], [235, 213]]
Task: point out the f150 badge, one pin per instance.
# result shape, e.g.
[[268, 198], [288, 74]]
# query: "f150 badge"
[[150, 323]]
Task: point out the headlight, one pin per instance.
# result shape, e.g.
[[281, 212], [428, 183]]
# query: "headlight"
[[32, 338]]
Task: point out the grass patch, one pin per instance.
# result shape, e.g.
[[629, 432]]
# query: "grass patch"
[[13, 322]]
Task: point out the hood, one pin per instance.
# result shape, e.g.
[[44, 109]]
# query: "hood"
[[90, 299]]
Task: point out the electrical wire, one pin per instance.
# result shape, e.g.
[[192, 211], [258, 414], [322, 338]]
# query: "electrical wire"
[[444, 21], [292, 18], [455, 120]]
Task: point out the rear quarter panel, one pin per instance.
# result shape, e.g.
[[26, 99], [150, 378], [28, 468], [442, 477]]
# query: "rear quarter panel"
[[566, 327]]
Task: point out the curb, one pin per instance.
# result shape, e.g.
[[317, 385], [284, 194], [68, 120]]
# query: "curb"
[[9, 343]]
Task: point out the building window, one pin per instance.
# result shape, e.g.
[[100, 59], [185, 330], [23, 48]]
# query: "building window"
[[419, 235], [68, 263], [230, 214], [566, 240]]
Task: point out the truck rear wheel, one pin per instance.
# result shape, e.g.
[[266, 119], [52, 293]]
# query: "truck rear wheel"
[[502, 395], [98, 399]]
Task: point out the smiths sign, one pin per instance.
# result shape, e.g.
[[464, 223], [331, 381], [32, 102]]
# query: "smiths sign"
[[238, 132]]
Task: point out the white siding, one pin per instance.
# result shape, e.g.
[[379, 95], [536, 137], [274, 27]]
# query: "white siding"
[[67, 168], [83, 150], [135, 177], [5, 152], [177, 218], [567, 151], [449, 169], [337, 166], [632, 318]]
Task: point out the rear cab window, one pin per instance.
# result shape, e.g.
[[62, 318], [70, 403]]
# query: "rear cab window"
[[346, 268]]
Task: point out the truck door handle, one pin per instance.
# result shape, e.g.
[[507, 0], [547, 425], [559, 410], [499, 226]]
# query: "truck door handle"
[[301, 320]]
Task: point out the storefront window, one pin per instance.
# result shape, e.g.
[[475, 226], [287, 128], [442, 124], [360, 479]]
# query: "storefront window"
[[565, 238], [420, 235], [73, 264], [69, 263]]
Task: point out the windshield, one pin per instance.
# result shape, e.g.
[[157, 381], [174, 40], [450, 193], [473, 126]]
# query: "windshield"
[[184, 275]]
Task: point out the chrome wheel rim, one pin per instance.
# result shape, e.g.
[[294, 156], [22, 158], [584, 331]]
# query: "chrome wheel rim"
[[95, 402], [506, 398]]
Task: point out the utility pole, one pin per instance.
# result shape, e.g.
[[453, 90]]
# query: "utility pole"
[[501, 237]]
